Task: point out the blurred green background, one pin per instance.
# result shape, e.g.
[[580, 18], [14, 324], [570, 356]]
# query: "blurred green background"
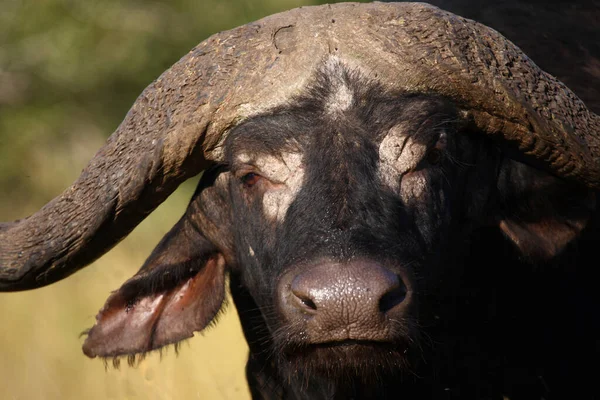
[[69, 71]]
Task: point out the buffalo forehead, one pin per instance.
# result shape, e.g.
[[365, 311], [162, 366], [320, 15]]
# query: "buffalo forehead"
[[341, 95], [400, 134]]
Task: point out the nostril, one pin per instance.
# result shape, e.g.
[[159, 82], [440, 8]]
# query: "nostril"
[[300, 289], [303, 301], [392, 298], [308, 302]]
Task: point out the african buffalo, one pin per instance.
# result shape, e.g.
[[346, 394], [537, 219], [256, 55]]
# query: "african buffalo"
[[403, 201]]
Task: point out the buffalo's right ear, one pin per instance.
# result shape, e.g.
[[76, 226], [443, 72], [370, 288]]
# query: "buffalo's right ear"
[[539, 213], [179, 290]]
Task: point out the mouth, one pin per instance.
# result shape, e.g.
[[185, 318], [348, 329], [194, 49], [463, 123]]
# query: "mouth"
[[349, 344], [344, 358]]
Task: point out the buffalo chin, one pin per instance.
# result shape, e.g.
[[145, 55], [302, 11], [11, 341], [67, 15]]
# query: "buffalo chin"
[[348, 360]]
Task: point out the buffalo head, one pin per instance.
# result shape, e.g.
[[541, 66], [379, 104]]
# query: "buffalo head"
[[349, 152]]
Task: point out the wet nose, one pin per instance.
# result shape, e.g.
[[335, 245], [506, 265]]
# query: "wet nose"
[[356, 298]]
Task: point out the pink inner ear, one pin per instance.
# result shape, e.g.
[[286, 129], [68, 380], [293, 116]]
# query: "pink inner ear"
[[544, 239], [158, 319]]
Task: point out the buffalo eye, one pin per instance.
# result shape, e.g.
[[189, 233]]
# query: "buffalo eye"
[[250, 179], [434, 156], [436, 153]]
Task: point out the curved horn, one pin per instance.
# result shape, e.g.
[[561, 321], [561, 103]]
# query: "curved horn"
[[178, 123]]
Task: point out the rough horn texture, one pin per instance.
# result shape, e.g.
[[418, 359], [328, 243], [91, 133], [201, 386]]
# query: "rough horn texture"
[[569, 49], [179, 122]]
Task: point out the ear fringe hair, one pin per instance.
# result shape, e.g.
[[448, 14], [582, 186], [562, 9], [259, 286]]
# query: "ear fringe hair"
[[134, 360]]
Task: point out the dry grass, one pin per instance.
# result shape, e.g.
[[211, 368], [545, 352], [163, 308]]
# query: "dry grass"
[[40, 346]]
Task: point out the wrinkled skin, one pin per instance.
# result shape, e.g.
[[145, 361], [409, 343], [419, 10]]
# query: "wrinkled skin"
[[350, 174]]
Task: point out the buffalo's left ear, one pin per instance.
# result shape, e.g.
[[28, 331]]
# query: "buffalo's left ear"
[[540, 213], [178, 291]]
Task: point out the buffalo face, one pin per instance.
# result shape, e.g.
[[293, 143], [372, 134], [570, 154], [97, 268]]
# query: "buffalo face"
[[342, 206]]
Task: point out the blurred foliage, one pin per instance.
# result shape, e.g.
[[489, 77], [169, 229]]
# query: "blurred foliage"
[[69, 71]]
